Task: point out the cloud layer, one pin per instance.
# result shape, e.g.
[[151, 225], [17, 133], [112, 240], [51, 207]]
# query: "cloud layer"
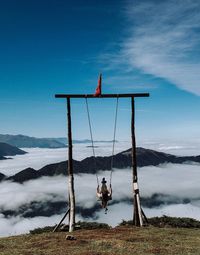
[[176, 186], [178, 181]]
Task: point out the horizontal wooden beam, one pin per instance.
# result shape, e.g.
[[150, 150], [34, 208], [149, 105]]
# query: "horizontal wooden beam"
[[101, 96]]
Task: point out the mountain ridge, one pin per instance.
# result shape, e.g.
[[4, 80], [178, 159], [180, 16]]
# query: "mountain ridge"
[[145, 157], [9, 150], [23, 141]]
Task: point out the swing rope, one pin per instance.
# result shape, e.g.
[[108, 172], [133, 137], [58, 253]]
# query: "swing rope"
[[114, 137], [92, 141]]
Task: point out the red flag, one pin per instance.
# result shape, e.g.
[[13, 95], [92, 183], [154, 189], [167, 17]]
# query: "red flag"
[[98, 89]]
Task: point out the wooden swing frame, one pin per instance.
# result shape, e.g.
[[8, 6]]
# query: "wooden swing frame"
[[139, 217]]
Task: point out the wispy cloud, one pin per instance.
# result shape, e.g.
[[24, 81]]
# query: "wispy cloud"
[[163, 41], [129, 80]]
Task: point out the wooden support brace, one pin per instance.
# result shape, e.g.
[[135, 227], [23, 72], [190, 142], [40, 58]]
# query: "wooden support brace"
[[58, 225]]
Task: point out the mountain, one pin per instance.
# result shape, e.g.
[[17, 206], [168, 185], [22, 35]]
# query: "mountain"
[[2, 176], [145, 157], [9, 150], [23, 141], [64, 140]]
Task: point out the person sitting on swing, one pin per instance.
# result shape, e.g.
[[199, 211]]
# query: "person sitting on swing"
[[104, 194]]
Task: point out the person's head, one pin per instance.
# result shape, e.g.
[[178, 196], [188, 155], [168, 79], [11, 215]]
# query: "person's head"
[[103, 180], [103, 186]]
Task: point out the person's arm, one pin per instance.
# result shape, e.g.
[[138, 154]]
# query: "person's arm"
[[110, 191], [99, 195]]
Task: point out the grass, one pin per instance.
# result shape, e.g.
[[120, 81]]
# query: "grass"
[[120, 240]]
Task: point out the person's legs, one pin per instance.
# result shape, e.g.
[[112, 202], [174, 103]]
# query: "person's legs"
[[105, 202]]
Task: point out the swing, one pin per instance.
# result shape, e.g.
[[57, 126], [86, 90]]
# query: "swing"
[[138, 215], [104, 194]]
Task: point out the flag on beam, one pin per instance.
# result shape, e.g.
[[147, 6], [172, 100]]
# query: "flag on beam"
[[98, 89]]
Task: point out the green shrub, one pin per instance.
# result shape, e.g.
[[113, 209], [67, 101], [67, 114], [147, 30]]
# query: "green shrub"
[[166, 221], [79, 225]]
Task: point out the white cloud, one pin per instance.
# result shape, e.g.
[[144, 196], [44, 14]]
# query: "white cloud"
[[190, 147], [13, 195], [116, 213], [35, 158], [178, 210], [163, 41], [17, 225], [178, 180], [123, 211]]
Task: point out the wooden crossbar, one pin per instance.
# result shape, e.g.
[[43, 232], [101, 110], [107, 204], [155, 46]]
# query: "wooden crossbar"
[[101, 96]]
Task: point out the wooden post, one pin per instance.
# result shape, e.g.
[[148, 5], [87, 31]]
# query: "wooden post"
[[137, 213], [70, 171]]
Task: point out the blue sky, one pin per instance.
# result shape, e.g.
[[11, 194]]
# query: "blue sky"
[[55, 46]]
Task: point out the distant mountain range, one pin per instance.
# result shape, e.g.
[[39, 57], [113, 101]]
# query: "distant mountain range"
[[64, 140], [23, 141], [9, 150], [145, 157]]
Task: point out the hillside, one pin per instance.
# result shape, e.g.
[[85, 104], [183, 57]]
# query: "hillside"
[[2, 176], [117, 241], [145, 157], [9, 150], [23, 141]]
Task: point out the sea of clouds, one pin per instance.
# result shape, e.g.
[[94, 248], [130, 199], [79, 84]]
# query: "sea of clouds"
[[177, 181]]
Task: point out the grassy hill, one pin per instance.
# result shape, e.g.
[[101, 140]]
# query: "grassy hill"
[[120, 240]]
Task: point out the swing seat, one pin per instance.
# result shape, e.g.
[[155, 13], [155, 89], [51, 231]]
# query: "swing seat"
[[100, 197]]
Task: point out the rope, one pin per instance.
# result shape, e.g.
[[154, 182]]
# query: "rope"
[[92, 141], [114, 136]]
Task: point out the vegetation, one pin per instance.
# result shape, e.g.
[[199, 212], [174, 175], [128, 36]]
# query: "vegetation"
[[121, 240], [166, 221], [79, 225], [118, 241]]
